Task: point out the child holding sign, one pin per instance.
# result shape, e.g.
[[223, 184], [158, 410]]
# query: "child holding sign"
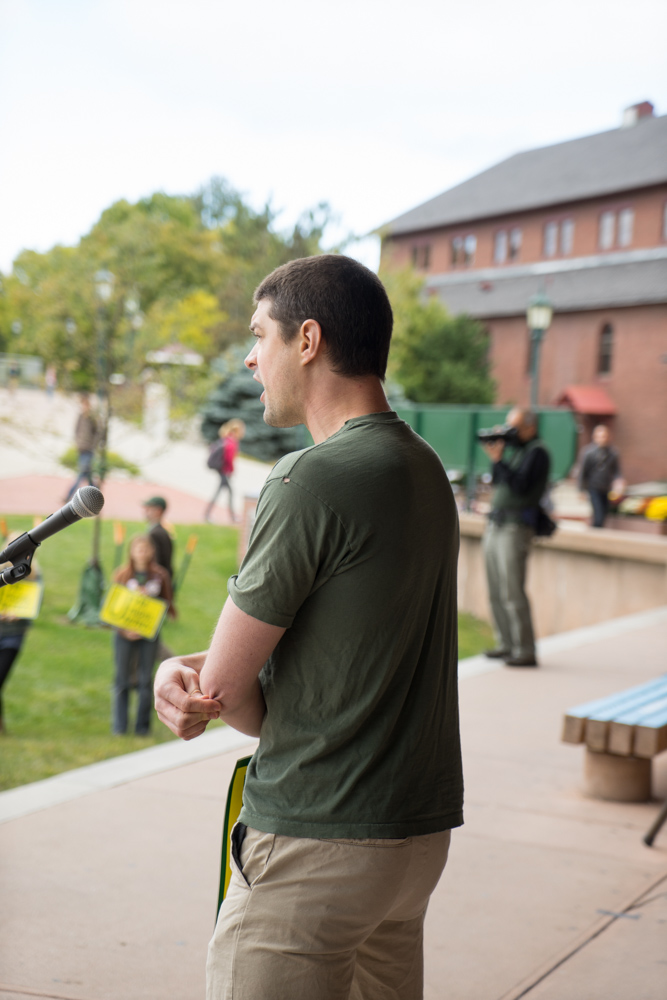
[[12, 627], [141, 575]]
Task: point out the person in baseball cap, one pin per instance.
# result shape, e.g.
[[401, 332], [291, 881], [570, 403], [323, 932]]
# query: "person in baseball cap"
[[154, 509]]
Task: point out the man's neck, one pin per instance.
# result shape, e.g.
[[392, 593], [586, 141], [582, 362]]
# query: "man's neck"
[[343, 399]]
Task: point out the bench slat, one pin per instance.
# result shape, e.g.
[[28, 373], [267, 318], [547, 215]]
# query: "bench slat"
[[630, 723], [618, 735], [654, 714], [573, 729], [596, 733], [621, 739], [650, 741], [623, 735], [633, 696]]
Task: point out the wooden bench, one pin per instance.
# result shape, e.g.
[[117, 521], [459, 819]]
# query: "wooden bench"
[[622, 733]]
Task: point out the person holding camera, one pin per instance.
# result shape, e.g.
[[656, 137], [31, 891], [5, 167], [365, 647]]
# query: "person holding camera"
[[519, 481]]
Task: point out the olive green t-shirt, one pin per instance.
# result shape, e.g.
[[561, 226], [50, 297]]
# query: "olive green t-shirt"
[[354, 552]]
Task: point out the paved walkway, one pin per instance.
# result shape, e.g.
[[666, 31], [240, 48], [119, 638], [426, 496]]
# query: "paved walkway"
[[109, 873], [35, 431]]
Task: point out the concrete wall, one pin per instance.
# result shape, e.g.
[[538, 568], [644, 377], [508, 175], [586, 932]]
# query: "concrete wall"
[[575, 578]]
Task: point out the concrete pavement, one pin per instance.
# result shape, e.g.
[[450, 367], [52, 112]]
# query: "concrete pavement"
[[35, 431], [109, 873]]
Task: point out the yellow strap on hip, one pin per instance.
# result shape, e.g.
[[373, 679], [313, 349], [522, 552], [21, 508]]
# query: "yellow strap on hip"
[[234, 804]]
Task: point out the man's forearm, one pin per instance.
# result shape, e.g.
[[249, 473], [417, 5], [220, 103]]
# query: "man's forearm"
[[240, 647], [248, 717], [194, 660]]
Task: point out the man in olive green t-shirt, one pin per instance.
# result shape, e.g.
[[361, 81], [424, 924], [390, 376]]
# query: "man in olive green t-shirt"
[[337, 646]]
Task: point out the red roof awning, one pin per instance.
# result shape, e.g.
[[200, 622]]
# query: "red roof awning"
[[588, 399]]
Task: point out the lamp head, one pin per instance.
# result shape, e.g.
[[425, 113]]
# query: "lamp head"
[[539, 312]]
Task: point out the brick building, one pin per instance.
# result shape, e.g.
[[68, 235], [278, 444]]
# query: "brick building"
[[584, 221]]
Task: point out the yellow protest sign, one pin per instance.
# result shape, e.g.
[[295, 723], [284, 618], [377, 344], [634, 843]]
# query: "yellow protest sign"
[[234, 806], [133, 611], [21, 600]]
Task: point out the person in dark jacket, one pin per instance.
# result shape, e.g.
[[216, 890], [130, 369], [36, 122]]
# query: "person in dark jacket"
[[519, 480], [154, 509], [599, 472]]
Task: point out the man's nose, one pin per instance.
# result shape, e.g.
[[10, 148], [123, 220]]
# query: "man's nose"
[[251, 361]]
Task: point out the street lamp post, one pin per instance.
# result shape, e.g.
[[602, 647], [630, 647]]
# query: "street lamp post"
[[104, 284], [538, 315], [86, 610]]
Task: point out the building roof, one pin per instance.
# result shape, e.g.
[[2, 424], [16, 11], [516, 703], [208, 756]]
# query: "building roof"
[[598, 282], [588, 399], [622, 159]]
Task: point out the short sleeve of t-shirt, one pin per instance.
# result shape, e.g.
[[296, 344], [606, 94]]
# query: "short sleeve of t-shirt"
[[297, 544]]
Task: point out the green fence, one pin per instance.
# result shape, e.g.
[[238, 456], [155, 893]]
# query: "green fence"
[[452, 432]]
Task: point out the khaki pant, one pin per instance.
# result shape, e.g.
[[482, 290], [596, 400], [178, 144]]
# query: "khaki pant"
[[325, 919], [506, 549]]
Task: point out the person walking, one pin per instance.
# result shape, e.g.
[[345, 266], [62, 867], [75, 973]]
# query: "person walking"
[[86, 435], [337, 646], [143, 575], [519, 480], [221, 458], [599, 472], [50, 380]]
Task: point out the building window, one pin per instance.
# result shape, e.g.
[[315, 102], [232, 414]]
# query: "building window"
[[566, 237], [607, 230], [463, 250], [500, 247], [507, 246], [605, 350], [616, 228], [550, 239], [421, 257], [626, 218]]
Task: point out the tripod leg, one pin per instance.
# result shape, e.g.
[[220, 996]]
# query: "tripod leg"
[[660, 819]]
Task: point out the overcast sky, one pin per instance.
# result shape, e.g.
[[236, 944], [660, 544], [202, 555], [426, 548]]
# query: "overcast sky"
[[372, 105]]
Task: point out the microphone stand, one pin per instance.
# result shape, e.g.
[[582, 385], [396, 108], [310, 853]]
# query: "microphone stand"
[[20, 569]]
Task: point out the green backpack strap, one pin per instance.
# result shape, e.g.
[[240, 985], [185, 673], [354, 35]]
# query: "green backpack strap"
[[232, 810]]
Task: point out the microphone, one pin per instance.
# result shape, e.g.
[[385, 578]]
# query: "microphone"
[[86, 502]]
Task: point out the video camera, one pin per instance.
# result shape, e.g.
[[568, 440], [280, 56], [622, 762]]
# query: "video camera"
[[489, 435]]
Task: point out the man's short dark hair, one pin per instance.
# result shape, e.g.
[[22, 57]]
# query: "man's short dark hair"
[[348, 301]]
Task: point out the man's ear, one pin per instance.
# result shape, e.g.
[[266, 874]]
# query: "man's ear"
[[311, 344]]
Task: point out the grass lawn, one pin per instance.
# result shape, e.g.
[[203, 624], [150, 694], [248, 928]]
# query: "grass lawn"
[[57, 701]]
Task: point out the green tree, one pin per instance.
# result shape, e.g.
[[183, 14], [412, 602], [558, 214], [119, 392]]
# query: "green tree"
[[185, 270], [237, 395], [435, 357]]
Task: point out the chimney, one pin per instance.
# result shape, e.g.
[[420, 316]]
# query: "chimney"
[[632, 114]]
